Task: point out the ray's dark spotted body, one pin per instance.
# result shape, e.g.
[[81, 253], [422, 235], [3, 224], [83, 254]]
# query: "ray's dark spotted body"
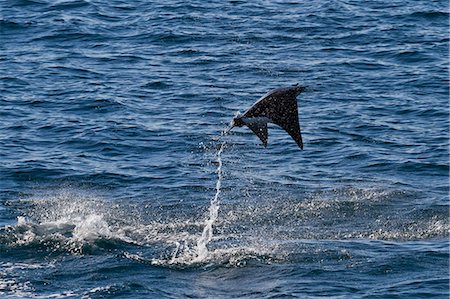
[[279, 106]]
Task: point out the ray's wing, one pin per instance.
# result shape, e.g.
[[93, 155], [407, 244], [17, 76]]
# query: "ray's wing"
[[289, 121], [281, 108], [260, 130]]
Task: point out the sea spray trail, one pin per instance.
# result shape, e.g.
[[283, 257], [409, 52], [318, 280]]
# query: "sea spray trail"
[[182, 253], [202, 250]]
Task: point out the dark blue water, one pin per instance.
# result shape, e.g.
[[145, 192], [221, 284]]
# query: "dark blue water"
[[110, 122]]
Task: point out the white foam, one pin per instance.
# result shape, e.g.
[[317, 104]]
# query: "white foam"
[[91, 227]]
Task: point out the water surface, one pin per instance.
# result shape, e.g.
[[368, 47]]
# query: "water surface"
[[111, 115]]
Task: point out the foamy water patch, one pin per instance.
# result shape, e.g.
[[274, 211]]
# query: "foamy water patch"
[[234, 256], [64, 221], [257, 228]]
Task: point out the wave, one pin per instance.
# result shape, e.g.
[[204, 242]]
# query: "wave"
[[69, 36], [68, 5], [7, 25], [430, 15]]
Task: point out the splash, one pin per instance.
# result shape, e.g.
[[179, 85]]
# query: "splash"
[[267, 227], [66, 220], [198, 252], [201, 249]]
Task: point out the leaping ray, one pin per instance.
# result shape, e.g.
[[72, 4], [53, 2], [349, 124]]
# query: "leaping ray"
[[279, 106]]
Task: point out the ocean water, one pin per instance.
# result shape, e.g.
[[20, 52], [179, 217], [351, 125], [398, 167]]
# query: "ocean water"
[[115, 181]]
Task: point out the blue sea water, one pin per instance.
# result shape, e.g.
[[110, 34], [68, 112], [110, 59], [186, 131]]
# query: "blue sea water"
[[112, 166]]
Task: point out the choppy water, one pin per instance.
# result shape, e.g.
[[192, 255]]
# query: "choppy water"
[[115, 183]]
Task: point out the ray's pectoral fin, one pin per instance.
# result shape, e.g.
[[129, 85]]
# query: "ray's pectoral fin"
[[286, 116], [294, 132], [291, 125], [260, 130]]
